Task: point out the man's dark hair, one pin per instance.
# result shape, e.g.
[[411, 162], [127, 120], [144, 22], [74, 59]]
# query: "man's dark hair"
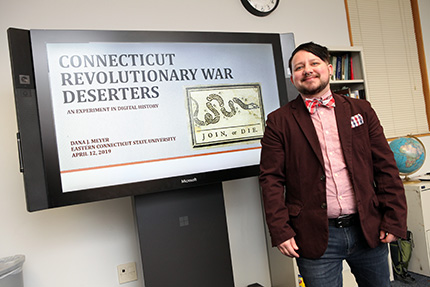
[[316, 49]]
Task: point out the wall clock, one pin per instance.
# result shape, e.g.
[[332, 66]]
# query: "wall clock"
[[260, 7]]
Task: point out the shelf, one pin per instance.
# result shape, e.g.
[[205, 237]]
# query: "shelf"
[[346, 82], [358, 84]]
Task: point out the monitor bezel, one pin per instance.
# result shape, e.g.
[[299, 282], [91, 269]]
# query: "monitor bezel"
[[36, 136]]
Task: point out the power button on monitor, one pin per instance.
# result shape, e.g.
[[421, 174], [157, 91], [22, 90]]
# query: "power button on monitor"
[[25, 93]]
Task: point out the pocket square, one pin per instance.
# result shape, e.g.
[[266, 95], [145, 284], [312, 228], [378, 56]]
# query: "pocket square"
[[357, 120]]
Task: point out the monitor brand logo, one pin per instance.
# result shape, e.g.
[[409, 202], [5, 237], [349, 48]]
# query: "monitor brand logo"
[[189, 180]]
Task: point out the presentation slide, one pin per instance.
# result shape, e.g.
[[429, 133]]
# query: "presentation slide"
[[130, 112]]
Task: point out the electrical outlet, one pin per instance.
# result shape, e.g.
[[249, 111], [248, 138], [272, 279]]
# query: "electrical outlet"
[[127, 272]]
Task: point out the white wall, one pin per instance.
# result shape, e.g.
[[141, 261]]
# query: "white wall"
[[82, 245]]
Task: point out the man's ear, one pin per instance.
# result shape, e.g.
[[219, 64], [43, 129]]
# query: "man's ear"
[[330, 68]]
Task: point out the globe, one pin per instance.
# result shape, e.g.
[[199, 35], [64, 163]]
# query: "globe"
[[409, 153]]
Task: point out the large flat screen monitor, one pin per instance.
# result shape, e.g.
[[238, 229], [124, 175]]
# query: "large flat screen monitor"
[[106, 114]]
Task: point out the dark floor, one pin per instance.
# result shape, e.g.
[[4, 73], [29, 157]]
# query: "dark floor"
[[420, 281]]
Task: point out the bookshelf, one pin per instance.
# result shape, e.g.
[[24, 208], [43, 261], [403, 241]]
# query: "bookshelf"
[[351, 76]]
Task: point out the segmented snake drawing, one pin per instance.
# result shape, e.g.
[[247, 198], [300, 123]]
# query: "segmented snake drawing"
[[216, 116]]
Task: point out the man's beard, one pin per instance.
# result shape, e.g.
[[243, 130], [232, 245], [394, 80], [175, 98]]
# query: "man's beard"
[[309, 92]]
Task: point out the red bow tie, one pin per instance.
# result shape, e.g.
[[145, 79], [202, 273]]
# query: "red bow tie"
[[312, 104]]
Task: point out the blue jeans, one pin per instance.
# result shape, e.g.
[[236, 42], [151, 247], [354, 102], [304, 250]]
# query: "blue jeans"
[[369, 266]]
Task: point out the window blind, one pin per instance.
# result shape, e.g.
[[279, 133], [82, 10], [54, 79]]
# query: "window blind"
[[385, 31]]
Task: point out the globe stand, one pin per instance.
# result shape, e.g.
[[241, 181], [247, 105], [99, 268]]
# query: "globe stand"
[[408, 180]]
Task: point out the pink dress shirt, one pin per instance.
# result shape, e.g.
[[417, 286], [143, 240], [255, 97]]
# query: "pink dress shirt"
[[340, 194]]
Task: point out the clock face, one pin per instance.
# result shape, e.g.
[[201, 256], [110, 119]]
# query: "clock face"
[[260, 7]]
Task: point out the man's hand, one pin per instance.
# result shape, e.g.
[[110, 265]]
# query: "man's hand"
[[386, 237], [289, 247]]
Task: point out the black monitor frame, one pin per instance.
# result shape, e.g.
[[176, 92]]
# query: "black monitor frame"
[[36, 137]]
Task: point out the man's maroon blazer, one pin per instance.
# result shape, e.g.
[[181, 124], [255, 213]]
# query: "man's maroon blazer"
[[292, 164]]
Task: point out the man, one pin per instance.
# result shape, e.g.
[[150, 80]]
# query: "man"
[[330, 184]]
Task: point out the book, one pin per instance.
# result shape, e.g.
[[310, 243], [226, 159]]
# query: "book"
[[355, 94], [345, 67], [333, 63], [342, 75], [351, 69], [338, 67]]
